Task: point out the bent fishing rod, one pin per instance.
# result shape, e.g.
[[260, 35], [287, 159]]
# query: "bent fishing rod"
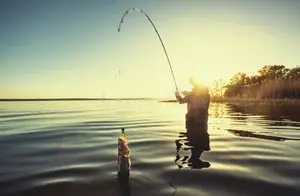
[[136, 9]]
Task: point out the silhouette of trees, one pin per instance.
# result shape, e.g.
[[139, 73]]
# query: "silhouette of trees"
[[218, 88], [271, 81]]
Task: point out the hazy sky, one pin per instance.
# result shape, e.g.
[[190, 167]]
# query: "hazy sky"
[[71, 48]]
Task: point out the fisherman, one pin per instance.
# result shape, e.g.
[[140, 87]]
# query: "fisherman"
[[197, 103], [198, 100]]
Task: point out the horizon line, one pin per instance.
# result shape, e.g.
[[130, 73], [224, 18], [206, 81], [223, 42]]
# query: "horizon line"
[[77, 99]]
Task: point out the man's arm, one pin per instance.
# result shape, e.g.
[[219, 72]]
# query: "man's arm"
[[180, 99]]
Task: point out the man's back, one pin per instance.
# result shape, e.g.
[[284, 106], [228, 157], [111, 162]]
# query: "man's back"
[[197, 107]]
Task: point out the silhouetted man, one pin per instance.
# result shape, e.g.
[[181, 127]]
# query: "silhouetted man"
[[198, 101]]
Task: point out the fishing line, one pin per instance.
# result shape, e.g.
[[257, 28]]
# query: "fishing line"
[[136, 9], [172, 183]]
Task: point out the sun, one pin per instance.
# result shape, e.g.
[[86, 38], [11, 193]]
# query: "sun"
[[205, 79], [202, 79]]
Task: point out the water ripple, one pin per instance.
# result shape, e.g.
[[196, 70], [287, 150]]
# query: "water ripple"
[[71, 149]]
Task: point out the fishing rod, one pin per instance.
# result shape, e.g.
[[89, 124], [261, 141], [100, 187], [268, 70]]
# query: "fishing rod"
[[119, 29]]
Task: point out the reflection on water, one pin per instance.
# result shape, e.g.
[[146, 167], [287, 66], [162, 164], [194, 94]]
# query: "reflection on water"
[[194, 160], [242, 133], [124, 186], [196, 141], [71, 149], [271, 112]]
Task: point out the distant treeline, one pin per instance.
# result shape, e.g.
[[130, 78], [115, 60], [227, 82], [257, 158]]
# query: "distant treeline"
[[271, 81]]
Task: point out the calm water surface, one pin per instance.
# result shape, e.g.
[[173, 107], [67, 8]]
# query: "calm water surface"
[[70, 148]]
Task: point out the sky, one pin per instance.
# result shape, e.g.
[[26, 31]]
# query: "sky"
[[72, 48]]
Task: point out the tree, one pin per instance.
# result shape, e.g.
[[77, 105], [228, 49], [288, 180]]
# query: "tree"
[[293, 74], [218, 87], [271, 81], [273, 72]]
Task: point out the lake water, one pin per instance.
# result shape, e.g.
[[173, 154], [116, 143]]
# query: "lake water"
[[70, 148]]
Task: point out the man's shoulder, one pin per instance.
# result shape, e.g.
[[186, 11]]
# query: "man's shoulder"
[[187, 93]]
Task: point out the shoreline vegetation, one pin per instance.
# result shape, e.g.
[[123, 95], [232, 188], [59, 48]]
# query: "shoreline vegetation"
[[271, 82], [243, 101]]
